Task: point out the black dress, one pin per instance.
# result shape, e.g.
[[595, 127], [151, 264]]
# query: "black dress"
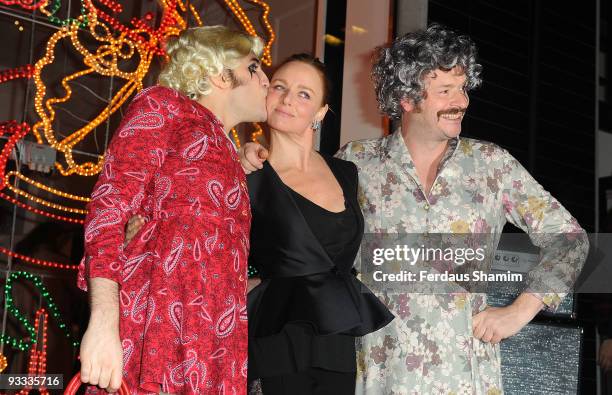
[[309, 307]]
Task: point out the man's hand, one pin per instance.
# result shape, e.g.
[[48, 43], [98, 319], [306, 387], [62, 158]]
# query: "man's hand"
[[252, 157], [101, 352], [494, 324], [252, 283], [605, 355]]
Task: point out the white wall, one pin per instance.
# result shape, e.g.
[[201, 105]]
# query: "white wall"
[[367, 26], [294, 26]]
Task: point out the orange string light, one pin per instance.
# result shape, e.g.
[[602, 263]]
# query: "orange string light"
[[44, 187], [248, 26], [44, 202], [116, 44], [258, 132], [40, 212], [236, 137], [195, 15]]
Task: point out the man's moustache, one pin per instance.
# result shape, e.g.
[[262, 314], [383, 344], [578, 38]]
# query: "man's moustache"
[[452, 111]]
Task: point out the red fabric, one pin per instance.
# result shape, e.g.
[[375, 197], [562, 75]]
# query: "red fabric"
[[183, 277]]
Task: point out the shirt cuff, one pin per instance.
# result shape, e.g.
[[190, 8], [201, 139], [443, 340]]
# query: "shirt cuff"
[[97, 267], [551, 300]]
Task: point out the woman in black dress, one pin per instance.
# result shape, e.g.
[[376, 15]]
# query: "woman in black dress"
[[305, 234]]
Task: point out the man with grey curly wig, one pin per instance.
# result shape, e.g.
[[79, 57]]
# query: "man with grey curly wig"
[[422, 180]]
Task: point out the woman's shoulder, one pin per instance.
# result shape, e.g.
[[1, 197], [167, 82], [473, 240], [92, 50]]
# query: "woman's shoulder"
[[338, 163], [345, 169], [344, 166]]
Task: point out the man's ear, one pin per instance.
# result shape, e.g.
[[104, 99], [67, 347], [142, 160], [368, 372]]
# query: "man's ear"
[[222, 81], [408, 105]]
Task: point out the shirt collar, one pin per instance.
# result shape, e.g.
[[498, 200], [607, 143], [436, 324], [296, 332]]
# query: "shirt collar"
[[397, 151]]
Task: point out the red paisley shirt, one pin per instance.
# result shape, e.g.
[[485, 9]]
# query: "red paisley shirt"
[[182, 279]]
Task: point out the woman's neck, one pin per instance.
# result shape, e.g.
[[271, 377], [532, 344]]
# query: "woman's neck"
[[291, 151]]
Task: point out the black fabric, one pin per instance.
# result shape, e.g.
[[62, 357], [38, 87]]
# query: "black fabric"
[[311, 382], [305, 292], [296, 349], [334, 231]]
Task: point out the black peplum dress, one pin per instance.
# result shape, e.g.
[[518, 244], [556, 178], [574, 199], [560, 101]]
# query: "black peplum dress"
[[309, 306]]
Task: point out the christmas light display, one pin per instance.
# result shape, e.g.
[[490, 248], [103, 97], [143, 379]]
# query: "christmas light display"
[[21, 344], [37, 367], [104, 46], [141, 41]]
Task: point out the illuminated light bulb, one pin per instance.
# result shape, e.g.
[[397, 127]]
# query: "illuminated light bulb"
[[258, 132], [235, 137]]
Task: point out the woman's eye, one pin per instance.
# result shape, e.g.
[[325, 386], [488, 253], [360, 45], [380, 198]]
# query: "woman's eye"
[[252, 69], [278, 87], [305, 95]]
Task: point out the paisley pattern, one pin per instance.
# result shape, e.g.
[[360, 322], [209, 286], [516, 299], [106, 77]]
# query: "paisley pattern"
[[183, 277], [429, 348]]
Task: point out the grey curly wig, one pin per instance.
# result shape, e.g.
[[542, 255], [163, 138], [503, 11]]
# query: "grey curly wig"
[[400, 68]]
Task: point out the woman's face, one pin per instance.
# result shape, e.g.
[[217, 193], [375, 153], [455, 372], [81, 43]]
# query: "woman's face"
[[295, 98]]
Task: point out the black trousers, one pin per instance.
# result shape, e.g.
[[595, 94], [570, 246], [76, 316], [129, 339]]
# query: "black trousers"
[[310, 382]]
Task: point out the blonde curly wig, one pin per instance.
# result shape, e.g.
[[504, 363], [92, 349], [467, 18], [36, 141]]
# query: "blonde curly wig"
[[200, 52]]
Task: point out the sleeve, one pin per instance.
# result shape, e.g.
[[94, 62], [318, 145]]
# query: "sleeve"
[[563, 243], [134, 154], [344, 152]]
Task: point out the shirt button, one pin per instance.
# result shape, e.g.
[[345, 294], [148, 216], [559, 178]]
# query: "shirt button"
[[426, 207]]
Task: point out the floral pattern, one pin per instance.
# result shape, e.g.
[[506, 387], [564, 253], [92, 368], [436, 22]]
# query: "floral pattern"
[[430, 348]]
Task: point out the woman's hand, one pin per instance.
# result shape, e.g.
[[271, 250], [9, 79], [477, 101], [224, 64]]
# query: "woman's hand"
[[133, 226]]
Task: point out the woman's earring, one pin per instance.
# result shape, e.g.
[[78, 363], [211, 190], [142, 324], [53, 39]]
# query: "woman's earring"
[[316, 125]]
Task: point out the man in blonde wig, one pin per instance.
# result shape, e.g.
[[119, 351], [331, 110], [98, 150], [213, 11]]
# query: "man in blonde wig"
[[168, 311]]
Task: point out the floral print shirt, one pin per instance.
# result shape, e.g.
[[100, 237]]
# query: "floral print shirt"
[[430, 348]]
